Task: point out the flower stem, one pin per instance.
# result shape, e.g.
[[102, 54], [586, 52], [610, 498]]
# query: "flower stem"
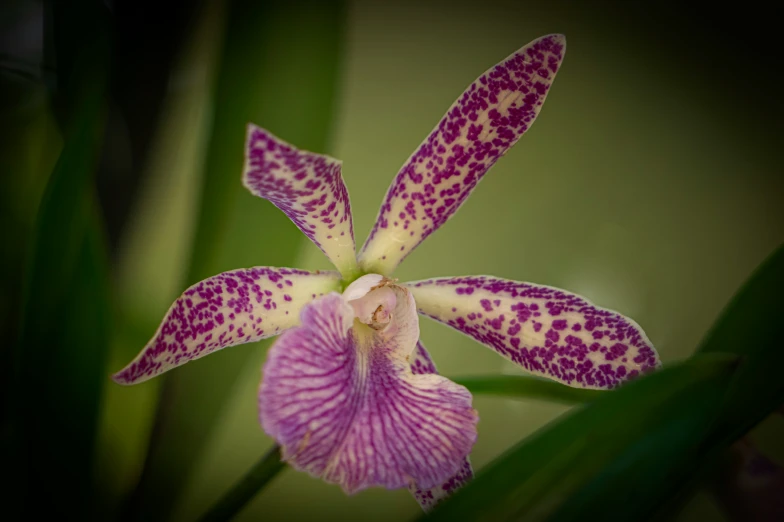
[[267, 467]]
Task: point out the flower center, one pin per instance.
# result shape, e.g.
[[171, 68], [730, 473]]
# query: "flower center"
[[372, 299]]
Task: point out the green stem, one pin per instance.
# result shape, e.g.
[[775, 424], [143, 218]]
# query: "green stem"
[[350, 277], [243, 491]]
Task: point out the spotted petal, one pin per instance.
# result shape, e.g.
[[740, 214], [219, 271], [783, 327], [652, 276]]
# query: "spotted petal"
[[236, 307], [308, 188], [547, 331], [341, 400], [421, 363], [484, 122]]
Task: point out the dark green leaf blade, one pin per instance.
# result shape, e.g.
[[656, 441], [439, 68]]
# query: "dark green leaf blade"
[[750, 326], [59, 361], [615, 438], [524, 387]]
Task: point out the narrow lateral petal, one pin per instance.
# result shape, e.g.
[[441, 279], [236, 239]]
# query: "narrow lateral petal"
[[547, 331], [308, 188], [484, 122], [345, 406], [421, 363], [236, 307]]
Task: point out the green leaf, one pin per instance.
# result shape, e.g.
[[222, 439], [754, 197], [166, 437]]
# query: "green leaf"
[[750, 326], [607, 460], [523, 387], [279, 69], [243, 491], [59, 361]]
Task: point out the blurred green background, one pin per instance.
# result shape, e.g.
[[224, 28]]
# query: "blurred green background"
[[650, 184]]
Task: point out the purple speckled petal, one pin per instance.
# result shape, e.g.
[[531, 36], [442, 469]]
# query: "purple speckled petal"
[[341, 400], [421, 363], [308, 188], [429, 498], [547, 331], [236, 307], [484, 122]]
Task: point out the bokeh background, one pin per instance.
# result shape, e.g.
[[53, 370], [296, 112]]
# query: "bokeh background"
[[651, 184]]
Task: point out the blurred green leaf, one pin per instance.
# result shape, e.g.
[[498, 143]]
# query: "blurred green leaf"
[[523, 387], [750, 326], [243, 491], [59, 361], [30, 144], [279, 69], [609, 460]]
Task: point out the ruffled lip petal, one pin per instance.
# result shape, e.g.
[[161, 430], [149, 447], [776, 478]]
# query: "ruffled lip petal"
[[235, 307], [308, 188], [346, 407], [547, 331], [421, 363], [480, 127]]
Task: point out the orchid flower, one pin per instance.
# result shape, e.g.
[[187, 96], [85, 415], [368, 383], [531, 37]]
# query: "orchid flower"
[[349, 390]]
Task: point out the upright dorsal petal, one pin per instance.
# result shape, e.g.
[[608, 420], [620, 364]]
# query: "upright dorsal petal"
[[308, 188], [484, 122], [547, 331]]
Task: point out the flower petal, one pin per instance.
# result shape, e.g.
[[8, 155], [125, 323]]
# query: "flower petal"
[[421, 363], [479, 128], [429, 498], [308, 188], [344, 405], [236, 307], [547, 331]]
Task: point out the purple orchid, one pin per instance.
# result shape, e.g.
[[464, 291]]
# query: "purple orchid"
[[348, 390]]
